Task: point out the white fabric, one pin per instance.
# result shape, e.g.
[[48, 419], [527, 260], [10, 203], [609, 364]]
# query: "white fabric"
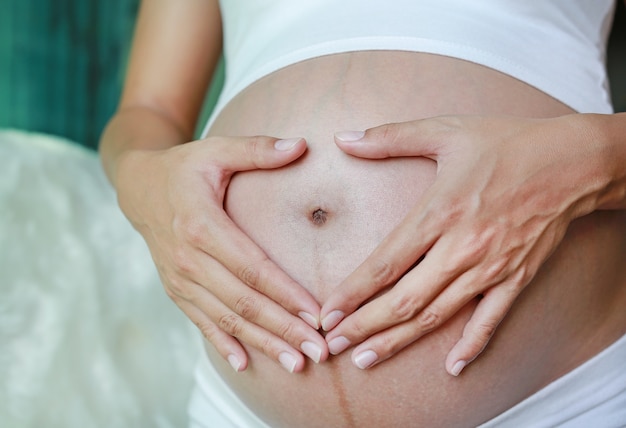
[[88, 338], [557, 46], [214, 404], [592, 395]]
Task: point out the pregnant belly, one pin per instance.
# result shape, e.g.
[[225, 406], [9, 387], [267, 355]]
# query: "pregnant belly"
[[319, 217], [322, 216]]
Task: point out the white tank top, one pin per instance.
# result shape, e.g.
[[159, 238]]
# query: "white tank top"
[[557, 46]]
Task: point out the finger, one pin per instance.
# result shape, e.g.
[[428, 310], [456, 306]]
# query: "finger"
[[219, 238], [405, 302], [232, 248], [421, 231], [387, 343], [260, 152], [415, 138], [256, 308], [479, 330], [400, 251], [217, 235], [232, 325], [410, 310], [227, 346]]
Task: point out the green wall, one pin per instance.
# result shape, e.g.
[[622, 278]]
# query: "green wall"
[[61, 64]]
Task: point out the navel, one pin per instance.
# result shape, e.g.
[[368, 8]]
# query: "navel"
[[319, 217]]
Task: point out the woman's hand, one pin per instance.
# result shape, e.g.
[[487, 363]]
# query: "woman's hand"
[[222, 281], [506, 190]]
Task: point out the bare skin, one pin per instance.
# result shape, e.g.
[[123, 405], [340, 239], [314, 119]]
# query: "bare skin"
[[281, 209], [256, 287]]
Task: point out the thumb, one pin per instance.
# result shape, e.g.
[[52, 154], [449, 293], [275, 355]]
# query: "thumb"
[[414, 138], [248, 153]]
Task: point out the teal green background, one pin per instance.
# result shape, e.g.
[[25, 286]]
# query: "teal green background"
[[62, 64]]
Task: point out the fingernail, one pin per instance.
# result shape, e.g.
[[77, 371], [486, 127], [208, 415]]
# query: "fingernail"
[[234, 362], [332, 319], [349, 135], [309, 319], [288, 361], [287, 144], [311, 350], [458, 367], [365, 359], [338, 345]]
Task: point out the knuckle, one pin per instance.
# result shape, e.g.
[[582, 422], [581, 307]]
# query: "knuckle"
[[250, 274], [194, 232], [359, 329], [450, 126], [404, 307], [266, 345], [429, 319], [383, 273], [231, 323], [388, 345], [484, 331], [208, 330], [255, 149], [522, 277], [182, 262], [478, 242], [169, 291], [390, 132], [247, 307], [176, 288], [451, 210], [474, 248], [287, 331], [496, 271]]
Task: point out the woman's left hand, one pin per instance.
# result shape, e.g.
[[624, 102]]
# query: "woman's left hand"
[[506, 190]]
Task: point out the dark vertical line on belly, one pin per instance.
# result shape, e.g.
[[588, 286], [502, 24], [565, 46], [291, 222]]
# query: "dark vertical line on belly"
[[344, 404]]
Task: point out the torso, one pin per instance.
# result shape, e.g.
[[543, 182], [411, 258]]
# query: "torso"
[[577, 298]]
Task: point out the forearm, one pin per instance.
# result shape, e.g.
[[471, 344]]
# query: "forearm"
[[607, 133], [175, 49], [137, 128]]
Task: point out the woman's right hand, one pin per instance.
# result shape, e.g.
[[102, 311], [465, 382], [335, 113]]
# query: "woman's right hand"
[[220, 279]]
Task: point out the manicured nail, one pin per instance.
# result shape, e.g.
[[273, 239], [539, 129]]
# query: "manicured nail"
[[287, 144], [311, 350], [338, 345], [458, 367], [332, 319], [288, 361], [365, 359], [350, 135], [310, 319], [234, 362]]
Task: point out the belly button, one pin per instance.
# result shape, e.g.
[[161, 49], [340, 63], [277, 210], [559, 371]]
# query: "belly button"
[[319, 217]]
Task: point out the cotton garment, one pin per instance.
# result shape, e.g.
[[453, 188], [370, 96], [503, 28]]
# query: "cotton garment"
[[214, 404], [557, 46], [592, 395]]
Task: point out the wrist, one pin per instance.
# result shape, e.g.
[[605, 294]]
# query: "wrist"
[[127, 163], [607, 134], [135, 178], [133, 130]]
